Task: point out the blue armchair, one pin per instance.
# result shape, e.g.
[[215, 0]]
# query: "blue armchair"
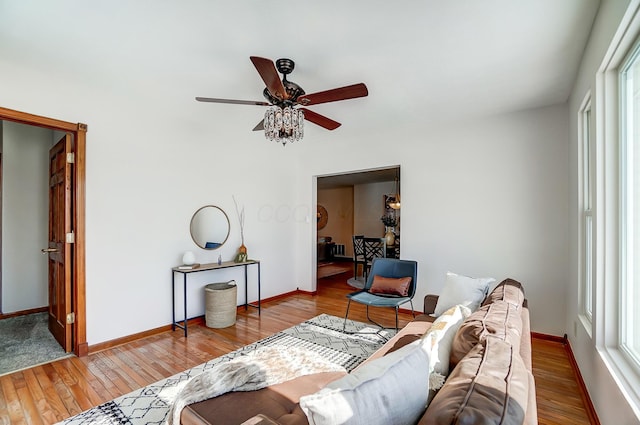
[[391, 268]]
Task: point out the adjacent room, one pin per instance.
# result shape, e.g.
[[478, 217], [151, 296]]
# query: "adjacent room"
[[185, 187], [353, 206]]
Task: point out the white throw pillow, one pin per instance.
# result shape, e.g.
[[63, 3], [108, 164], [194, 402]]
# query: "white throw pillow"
[[390, 390], [464, 290], [437, 341]]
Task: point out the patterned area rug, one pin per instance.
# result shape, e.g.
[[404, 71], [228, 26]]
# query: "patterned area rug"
[[322, 334]]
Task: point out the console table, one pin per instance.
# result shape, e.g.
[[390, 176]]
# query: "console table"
[[208, 268]]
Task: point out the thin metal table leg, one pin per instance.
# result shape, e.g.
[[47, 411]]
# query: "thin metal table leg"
[[246, 289], [173, 300], [259, 296], [185, 305]]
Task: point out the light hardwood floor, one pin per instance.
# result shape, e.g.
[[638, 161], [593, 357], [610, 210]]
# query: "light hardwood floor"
[[49, 393]]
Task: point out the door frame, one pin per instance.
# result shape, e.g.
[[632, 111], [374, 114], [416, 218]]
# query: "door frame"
[[78, 198]]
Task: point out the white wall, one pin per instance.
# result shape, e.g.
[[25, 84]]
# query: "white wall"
[[368, 204], [339, 205], [607, 398], [480, 197], [25, 201]]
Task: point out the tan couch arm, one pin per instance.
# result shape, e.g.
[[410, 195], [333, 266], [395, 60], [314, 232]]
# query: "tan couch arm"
[[430, 302]]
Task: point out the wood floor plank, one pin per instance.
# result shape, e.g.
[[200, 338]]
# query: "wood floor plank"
[[74, 388], [45, 411], [132, 354], [14, 409], [81, 385], [64, 392], [557, 391], [106, 367], [49, 393], [102, 384], [53, 402], [4, 409], [31, 413]]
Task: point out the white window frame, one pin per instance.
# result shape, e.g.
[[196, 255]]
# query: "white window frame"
[[608, 320], [626, 176], [586, 156]]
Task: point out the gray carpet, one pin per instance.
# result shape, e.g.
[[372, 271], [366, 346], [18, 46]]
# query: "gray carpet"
[[321, 334], [27, 342]]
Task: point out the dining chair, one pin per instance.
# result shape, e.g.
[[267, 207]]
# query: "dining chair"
[[373, 248], [358, 254]]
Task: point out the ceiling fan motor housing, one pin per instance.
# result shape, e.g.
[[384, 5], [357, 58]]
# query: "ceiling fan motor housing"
[[285, 67]]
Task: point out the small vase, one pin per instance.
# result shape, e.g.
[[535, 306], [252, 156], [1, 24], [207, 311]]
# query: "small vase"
[[241, 257], [390, 237]]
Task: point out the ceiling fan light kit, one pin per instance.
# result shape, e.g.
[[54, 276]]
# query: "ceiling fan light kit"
[[283, 121], [283, 125]]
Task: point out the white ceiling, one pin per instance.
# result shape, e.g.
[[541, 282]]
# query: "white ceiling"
[[423, 60]]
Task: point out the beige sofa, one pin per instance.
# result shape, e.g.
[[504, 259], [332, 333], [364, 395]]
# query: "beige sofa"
[[490, 379]]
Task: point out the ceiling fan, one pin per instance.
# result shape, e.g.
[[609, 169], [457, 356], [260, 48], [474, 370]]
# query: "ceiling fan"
[[287, 101]]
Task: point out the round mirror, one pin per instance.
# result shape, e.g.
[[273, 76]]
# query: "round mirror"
[[210, 227]]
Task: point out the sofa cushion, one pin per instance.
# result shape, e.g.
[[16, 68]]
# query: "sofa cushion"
[[389, 390], [499, 319], [508, 290], [489, 386], [390, 286], [463, 290], [438, 341], [414, 331]]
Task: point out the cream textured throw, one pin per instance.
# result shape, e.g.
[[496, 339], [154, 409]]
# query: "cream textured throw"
[[259, 369]]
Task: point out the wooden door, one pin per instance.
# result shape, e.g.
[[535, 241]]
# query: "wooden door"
[[60, 243]]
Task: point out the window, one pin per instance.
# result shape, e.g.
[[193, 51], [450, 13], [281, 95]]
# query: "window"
[[586, 180], [629, 207], [616, 206]]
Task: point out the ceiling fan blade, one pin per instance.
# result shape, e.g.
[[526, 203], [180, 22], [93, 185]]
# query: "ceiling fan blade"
[[342, 93], [267, 70], [259, 126], [235, 102], [320, 120]]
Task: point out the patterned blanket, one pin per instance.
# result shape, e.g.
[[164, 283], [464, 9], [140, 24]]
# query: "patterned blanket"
[[265, 366]]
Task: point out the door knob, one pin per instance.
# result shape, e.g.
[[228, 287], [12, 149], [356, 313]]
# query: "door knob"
[[49, 250]]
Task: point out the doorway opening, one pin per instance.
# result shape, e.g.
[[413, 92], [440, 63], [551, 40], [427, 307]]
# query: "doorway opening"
[[73, 316], [355, 203]]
